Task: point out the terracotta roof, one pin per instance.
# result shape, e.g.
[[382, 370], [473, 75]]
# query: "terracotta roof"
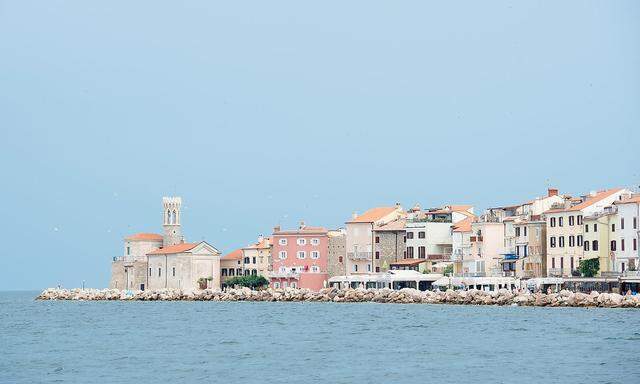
[[459, 208], [463, 225], [372, 215], [235, 255], [396, 225], [408, 262], [145, 236], [588, 202], [178, 248], [632, 199], [264, 244]]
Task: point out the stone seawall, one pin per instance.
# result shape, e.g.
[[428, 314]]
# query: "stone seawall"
[[405, 296]]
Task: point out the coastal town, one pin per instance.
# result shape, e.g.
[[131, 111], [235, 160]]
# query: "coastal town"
[[557, 241]]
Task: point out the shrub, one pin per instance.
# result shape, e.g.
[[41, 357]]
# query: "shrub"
[[250, 281], [589, 267]]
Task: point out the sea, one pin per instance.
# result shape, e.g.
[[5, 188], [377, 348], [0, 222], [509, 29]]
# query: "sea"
[[256, 342]]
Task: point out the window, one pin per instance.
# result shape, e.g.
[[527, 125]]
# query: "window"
[[552, 242], [231, 271], [405, 239], [594, 245], [253, 260], [128, 250], [421, 252], [223, 272], [315, 269], [635, 223], [302, 241], [276, 285], [571, 263], [339, 259], [377, 239], [572, 241], [517, 231], [355, 267], [586, 227], [159, 272], [282, 255], [613, 245], [562, 263], [571, 222], [560, 221], [586, 245], [377, 255], [595, 227], [315, 241], [553, 262], [247, 260], [635, 244], [302, 254], [283, 269], [552, 222], [561, 241], [377, 269], [409, 235], [239, 272], [282, 242], [579, 238], [149, 271], [368, 267], [622, 223], [525, 231], [315, 254], [622, 245], [173, 271], [409, 252], [421, 235], [579, 219], [254, 272]]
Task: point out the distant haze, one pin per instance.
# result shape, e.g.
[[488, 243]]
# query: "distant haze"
[[268, 112]]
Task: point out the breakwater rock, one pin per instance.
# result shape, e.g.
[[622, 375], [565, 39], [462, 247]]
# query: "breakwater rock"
[[404, 296]]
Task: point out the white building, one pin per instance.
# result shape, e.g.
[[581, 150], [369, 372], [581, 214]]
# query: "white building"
[[153, 261], [627, 236]]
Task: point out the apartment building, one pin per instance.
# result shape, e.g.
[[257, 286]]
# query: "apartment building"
[[566, 230], [360, 239], [256, 257], [627, 254]]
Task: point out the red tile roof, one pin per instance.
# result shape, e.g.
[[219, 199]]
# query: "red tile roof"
[[396, 225], [178, 248], [588, 202], [235, 255], [463, 225], [632, 199], [372, 215], [145, 237], [264, 244]]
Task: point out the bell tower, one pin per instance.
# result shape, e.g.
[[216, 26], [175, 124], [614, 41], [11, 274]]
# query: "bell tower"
[[171, 221]]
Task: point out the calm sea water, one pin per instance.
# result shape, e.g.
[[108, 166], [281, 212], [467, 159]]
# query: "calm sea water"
[[208, 342]]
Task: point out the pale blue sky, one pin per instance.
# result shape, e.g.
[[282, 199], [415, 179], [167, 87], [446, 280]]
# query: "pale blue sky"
[[265, 112]]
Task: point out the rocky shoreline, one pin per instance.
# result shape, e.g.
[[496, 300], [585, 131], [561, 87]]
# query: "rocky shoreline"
[[405, 296]]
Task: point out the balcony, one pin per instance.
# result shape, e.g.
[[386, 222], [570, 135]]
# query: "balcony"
[[284, 275], [631, 274], [359, 255], [511, 256]]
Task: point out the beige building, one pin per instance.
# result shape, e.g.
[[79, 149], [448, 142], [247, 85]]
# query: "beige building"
[[360, 239], [566, 230], [257, 257], [154, 261], [231, 265]]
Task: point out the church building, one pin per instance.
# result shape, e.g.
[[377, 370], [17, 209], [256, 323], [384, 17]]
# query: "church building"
[[153, 261]]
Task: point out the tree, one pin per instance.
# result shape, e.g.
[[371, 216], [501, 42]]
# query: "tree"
[[250, 281], [448, 270], [589, 267]]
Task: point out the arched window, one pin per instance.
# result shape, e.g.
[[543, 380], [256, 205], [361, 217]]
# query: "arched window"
[[594, 245], [175, 217], [168, 219]]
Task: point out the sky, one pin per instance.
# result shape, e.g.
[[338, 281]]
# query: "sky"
[[261, 113]]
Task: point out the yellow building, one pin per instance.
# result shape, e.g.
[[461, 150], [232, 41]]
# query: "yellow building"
[[256, 258], [599, 241]]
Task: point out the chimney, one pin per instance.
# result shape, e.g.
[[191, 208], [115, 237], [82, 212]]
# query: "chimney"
[[260, 238], [354, 215], [302, 225], [398, 207], [276, 229], [552, 192]]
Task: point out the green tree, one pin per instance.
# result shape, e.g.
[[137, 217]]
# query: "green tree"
[[250, 281], [589, 267], [448, 270]]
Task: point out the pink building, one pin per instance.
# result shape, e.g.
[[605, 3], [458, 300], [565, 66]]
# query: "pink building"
[[299, 258]]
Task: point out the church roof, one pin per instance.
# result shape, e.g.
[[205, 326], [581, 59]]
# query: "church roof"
[[145, 236], [178, 248]]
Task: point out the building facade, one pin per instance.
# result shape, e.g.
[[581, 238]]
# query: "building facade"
[[389, 244], [231, 265], [300, 258], [257, 257], [336, 263], [627, 256]]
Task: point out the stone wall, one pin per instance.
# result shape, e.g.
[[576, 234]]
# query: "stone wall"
[[390, 248], [337, 252]]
